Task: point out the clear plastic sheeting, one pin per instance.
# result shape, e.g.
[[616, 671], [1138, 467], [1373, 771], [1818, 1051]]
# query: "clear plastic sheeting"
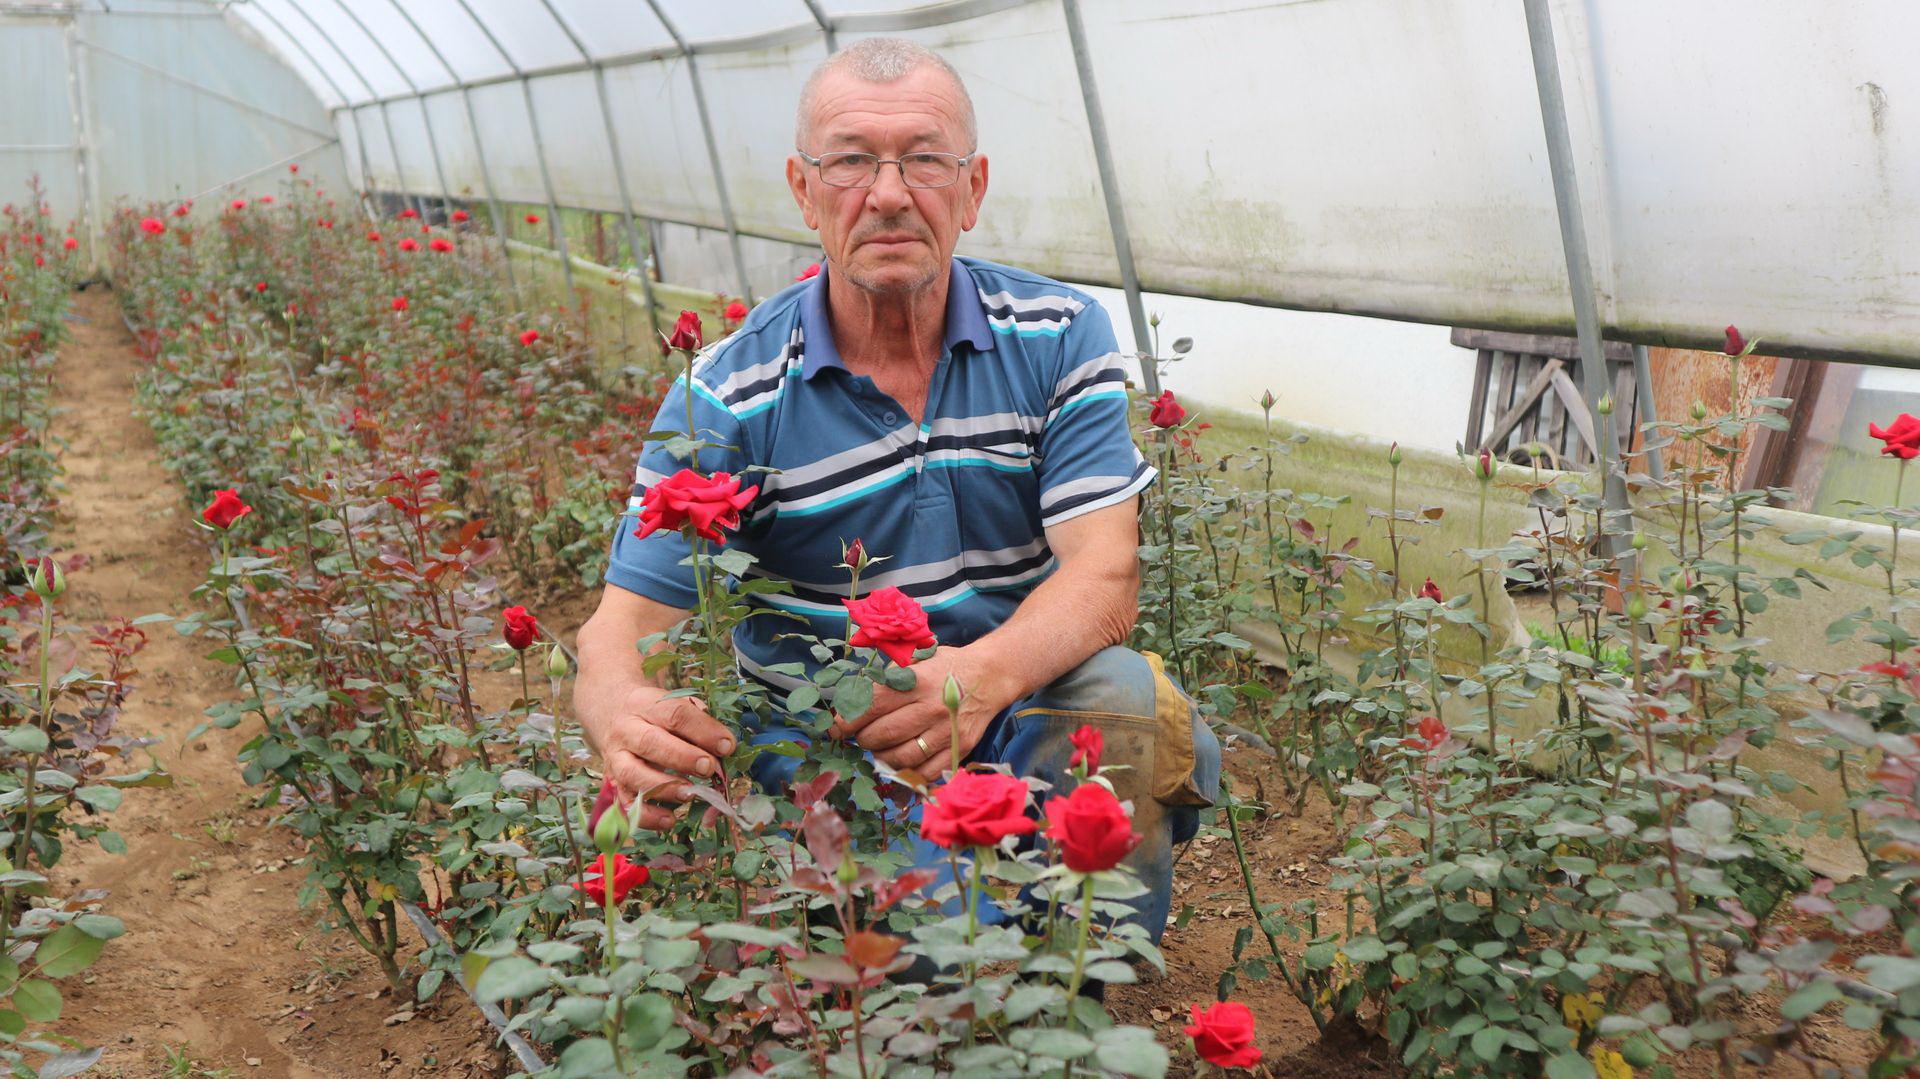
[[1363, 156], [172, 102]]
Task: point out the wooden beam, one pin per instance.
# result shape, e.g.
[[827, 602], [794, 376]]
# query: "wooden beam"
[[1518, 412]]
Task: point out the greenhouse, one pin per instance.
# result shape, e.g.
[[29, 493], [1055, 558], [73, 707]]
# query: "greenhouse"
[[959, 537]]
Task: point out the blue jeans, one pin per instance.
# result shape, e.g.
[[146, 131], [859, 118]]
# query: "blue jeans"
[[1148, 724]]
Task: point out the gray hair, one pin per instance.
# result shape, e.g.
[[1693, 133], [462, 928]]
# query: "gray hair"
[[881, 60]]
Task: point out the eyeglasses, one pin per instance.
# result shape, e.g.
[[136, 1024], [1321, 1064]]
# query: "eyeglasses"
[[855, 169]]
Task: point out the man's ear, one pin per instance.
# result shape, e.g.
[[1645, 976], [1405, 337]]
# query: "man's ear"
[[797, 183], [976, 193]]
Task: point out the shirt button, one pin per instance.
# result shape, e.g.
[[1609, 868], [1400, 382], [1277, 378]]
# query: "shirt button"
[[889, 418]]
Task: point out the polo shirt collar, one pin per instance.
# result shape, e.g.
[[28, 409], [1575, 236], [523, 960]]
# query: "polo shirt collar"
[[966, 320]]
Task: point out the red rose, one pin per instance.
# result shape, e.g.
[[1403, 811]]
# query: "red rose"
[[1088, 743], [324, 223], [686, 332], [1166, 411], [1223, 1035], [460, 216], [237, 204], [735, 311], [1483, 466], [626, 877], [373, 237], [519, 627], [528, 337], [295, 167], [440, 244], [152, 225], [533, 219], [1091, 828], [976, 809], [1735, 343], [709, 503], [890, 621], [854, 555], [1432, 735], [812, 270], [399, 303], [259, 286], [264, 199], [1431, 591], [1891, 670], [225, 509], [70, 244], [1902, 437], [608, 797], [409, 212], [409, 244], [183, 209]]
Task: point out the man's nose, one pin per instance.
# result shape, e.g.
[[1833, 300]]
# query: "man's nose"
[[889, 193]]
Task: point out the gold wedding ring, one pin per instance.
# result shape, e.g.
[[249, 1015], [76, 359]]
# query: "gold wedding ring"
[[921, 741]]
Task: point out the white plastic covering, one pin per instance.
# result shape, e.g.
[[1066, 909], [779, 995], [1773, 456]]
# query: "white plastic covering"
[[1750, 161], [172, 102]]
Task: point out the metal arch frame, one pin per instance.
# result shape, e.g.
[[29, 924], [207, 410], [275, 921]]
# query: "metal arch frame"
[[479, 144], [556, 234], [359, 129], [386, 117], [826, 25], [1573, 244], [85, 162], [426, 118], [713, 150], [1110, 193], [619, 170]]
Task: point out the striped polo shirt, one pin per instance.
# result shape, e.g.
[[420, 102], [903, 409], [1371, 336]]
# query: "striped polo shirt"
[[1026, 426]]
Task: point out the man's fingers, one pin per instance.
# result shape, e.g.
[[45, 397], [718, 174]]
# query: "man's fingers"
[[668, 753], [904, 725], [928, 762], [885, 701], [636, 778], [683, 718]]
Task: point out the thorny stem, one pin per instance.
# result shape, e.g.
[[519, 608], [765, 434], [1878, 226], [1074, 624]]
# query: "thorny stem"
[[1253, 903]]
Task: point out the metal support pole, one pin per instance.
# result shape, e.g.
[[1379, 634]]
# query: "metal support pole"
[[1644, 409], [1573, 242], [825, 24], [619, 171], [1110, 190], [556, 235], [399, 169], [85, 163], [479, 146], [426, 117], [713, 151], [354, 69], [359, 135]]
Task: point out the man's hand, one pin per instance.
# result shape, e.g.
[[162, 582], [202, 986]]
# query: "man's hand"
[[890, 727], [651, 745]]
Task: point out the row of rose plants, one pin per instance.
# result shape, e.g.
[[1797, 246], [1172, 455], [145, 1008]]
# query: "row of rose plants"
[[1614, 887], [63, 763], [1592, 894], [351, 593]]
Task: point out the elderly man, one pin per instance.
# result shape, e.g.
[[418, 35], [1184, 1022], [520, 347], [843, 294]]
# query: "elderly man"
[[966, 420]]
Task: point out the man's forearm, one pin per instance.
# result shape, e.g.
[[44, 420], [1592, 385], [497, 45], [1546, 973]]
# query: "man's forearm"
[[610, 666], [1074, 613]]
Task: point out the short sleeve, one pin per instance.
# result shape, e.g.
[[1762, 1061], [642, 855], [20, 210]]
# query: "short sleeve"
[[1088, 460], [652, 567]]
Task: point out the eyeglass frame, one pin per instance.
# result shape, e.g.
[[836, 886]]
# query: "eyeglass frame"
[[960, 162]]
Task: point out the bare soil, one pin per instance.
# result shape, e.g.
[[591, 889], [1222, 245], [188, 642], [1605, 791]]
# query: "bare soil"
[[221, 965]]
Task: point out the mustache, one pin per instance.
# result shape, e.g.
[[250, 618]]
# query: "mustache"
[[889, 224]]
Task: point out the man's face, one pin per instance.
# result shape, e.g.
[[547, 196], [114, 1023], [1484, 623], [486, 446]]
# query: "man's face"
[[888, 238]]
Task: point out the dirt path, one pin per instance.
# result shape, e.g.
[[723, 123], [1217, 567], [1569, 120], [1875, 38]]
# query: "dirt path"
[[220, 964]]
